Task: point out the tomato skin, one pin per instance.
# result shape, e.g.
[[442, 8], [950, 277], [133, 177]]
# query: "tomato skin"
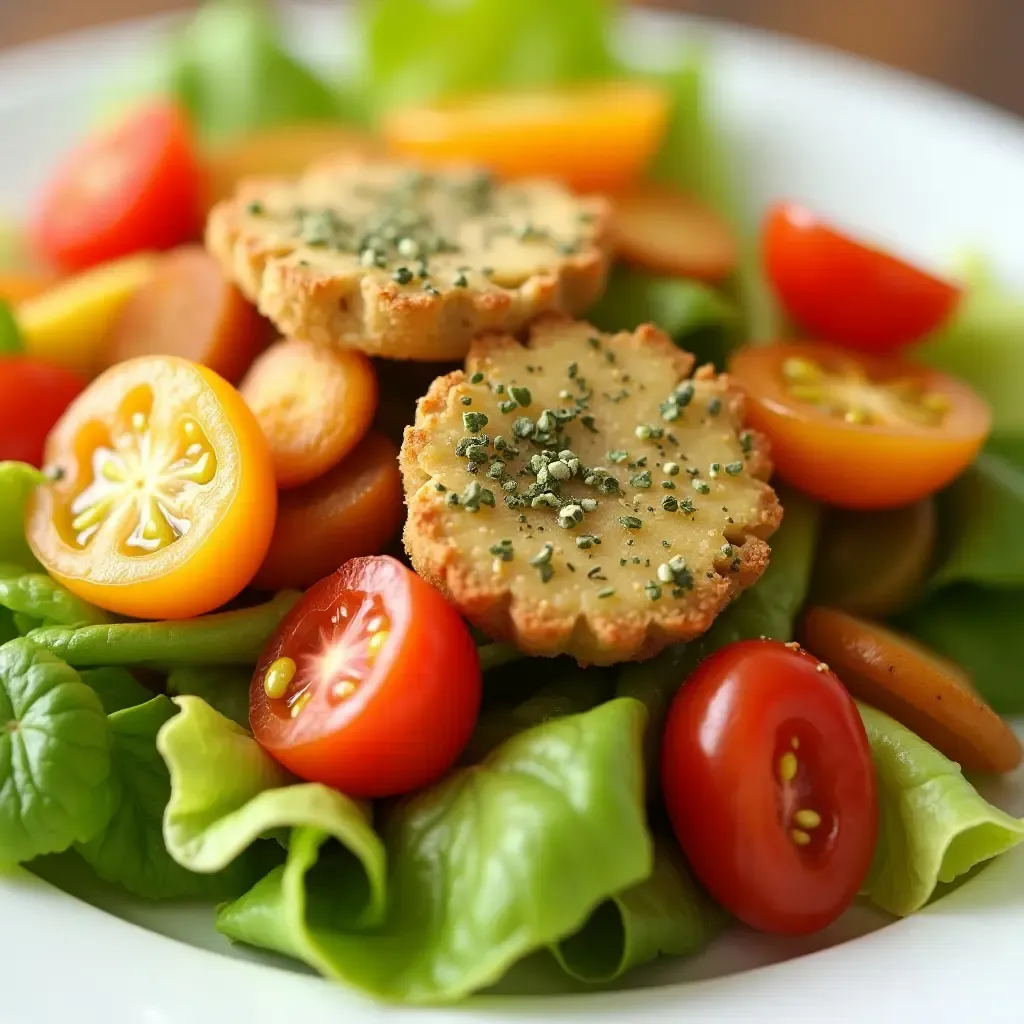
[[847, 292], [133, 187], [851, 465], [727, 732], [414, 706], [33, 396]]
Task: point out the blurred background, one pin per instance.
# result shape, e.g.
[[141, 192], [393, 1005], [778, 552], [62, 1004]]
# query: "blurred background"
[[971, 45]]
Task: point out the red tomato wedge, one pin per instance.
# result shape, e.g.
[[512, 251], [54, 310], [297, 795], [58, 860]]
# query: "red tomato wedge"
[[846, 291], [33, 396], [133, 187], [371, 684], [769, 783]]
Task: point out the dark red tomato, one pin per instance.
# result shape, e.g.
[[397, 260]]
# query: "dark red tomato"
[[371, 684], [33, 396], [133, 187], [846, 291], [769, 783]]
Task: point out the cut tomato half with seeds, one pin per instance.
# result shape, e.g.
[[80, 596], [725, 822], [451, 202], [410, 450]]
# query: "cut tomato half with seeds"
[[371, 684], [860, 431], [165, 500]]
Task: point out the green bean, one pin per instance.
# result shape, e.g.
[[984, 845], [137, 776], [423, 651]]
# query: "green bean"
[[226, 638]]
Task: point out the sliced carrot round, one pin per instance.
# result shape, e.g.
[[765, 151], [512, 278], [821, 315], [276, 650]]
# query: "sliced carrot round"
[[353, 510], [874, 563], [928, 694], [594, 137], [666, 231], [189, 308], [314, 403]]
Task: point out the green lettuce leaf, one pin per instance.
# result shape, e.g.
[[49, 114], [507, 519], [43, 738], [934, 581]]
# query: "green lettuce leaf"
[[418, 50], [227, 68], [55, 755], [130, 850], [700, 318], [981, 345], [10, 335], [983, 520], [227, 794], [492, 863], [226, 638], [116, 688], [36, 596], [224, 689], [8, 627], [17, 480], [933, 827], [981, 631], [667, 914]]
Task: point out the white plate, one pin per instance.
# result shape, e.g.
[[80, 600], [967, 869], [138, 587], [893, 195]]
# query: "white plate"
[[930, 170]]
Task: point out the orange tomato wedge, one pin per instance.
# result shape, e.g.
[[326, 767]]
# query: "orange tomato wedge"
[[661, 229], [164, 501], [17, 286], [860, 431], [928, 694], [595, 138]]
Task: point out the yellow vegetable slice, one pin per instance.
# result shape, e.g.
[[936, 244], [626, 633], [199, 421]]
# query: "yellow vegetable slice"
[[69, 323]]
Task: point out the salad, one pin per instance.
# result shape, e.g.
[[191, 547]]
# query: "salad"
[[438, 532]]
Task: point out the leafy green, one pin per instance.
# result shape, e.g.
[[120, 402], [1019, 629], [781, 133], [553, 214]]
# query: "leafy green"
[[573, 691], [10, 334], [981, 631], [769, 608], [8, 628], [227, 68], [495, 861], [17, 480], [55, 755], [224, 689], [981, 345], [37, 596], [226, 638], [417, 50], [116, 688], [693, 158], [933, 826], [130, 850], [667, 914], [686, 310], [983, 519], [227, 793]]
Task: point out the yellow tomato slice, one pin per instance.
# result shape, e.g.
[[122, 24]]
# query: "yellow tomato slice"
[[593, 137], [165, 501]]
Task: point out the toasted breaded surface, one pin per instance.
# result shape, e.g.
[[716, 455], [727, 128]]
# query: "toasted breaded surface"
[[409, 265], [613, 507]]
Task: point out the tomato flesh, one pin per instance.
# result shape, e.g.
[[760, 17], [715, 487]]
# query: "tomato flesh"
[[383, 682], [134, 187], [33, 396], [859, 431], [164, 499], [848, 292], [769, 783]]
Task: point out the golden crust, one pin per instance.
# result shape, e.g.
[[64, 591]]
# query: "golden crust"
[[327, 296], [725, 552]]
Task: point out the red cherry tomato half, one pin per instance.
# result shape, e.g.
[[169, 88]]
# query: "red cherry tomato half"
[[371, 684], [133, 187], [769, 783], [33, 396], [846, 291]]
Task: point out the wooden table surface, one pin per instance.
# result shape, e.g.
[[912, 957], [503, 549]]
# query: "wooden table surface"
[[972, 45]]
